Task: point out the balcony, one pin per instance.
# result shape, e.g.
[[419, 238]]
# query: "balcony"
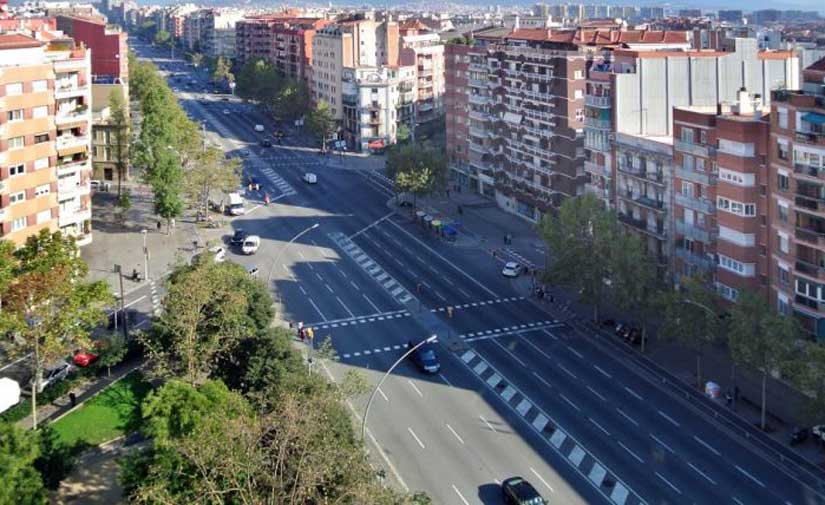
[[599, 124], [477, 99], [596, 145], [808, 302], [813, 204], [806, 170], [694, 176], [645, 201], [71, 216], [69, 90], [702, 262], [812, 138], [656, 229], [595, 168], [698, 204], [810, 269], [425, 72], [71, 167], [703, 150], [695, 232], [604, 102], [71, 188], [70, 141], [641, 173], [74, 116], [351, 100], [810, 237]]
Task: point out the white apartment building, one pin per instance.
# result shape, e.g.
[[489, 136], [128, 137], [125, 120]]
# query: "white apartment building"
[[370, 100]]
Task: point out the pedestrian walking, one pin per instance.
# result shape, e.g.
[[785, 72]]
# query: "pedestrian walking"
[[448, 193], [159, 225], [73, 398], [729, 398]]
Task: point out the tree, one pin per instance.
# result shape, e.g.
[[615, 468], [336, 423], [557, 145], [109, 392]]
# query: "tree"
[[579, 240], [222, 70], [207, 309], [55, 459], [415, 169], [119, 123], [196, 59], [807, 372], [760, 337], [167, 186], [211, 171], [321, 123], [162, 37], [693, 315], [112, 349], [403, 133], [634, 286], [291, 100], [259, 81], [20, 482], [48, 307]]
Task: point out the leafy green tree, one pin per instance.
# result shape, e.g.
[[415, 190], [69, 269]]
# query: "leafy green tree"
[[48, 307], [222, 70], [167, 187], [291, 100], [112, 349], [416, 169], [403, 133], [162, 37], [693, 315], [55, 459], [120, 128], [634, 286], [807, 372], [207, 309], [20, 482], [321, 123], [211, 171], [259, 81], [760, 337], [579, 240]]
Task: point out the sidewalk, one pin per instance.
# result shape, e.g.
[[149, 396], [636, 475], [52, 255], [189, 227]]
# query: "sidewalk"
[[483, 221], [116, 242]]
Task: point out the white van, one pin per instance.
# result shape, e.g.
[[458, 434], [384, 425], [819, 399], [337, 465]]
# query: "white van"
[[259, 127], [235, 204], [9, 393]]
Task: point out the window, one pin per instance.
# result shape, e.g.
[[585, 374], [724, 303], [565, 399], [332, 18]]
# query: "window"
[[737, 178], [18, 224], [41, 111], [14, 89], [577, 94], [40, 85], [782, 117], [687, 189], [782, 213], [727, 292], [782, 181], [41, 138], [44, 216], [783, 274], [17, 197], [734, 207], [703, 137], [45, 189], [782, 150], [17, 170], [782, 306], [687, 162], [14, 115], [700, 164], [41, 163], [687, 135], [16, 143], [736, 148], [737, 267], [784, 245]]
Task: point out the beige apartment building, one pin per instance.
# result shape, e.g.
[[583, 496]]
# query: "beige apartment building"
[[45, 123], [424, 50]]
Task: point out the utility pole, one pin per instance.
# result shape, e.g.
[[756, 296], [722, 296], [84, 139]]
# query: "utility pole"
[[119, 271]]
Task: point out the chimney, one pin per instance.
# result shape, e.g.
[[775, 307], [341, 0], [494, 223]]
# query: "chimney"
[[745, 103]]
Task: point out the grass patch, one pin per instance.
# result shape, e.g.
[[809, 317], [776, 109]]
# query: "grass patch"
[[113, 412]]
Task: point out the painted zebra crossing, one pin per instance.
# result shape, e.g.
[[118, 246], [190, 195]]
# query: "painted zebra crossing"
[[571, 450], [390, 285], [352, 321], [480, 303], [284, 187]]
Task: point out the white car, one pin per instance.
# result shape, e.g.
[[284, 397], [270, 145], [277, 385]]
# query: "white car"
[[259, 127], [310, 178], [818, 432], [52, 374], [251, 244], [226, 112], [218, 253], [512, 269]]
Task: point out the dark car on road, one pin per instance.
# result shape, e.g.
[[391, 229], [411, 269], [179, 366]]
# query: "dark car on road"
[[426, 359], [517, 491], [238, 237], [266, 143]]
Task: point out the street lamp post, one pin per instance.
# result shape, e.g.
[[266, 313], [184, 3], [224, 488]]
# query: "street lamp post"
[[387, 374], [144, 232], [281, 253]]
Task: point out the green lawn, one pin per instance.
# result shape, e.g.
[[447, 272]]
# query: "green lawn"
[[113, 412]]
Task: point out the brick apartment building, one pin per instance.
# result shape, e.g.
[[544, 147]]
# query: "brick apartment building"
[[45, 120], [284, 41], [797, 218], [456, 108]]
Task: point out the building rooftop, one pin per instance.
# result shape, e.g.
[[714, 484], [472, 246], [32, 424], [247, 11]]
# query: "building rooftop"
[[600, 37], [18, 41]]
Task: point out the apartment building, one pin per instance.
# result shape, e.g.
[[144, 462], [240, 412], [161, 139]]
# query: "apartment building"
[[193, 26], [45, 120], [797, 188], [632, 93], [720, 183], [425, 51], [370, 103], [217, 36], [284, 41], [351, 44], [457, 111]]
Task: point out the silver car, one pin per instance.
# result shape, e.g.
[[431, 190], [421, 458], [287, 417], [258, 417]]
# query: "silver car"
[[52, 374]]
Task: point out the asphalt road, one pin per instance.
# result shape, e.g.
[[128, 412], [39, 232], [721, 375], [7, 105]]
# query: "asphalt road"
[[518, 393]]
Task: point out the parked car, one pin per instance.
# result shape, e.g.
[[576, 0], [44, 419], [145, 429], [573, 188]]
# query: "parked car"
[[512, 269], [251, 244], [426, 359], [236, 205], [818, 432], [517, 491], [226, 112], [218, 253], [310, 178], [51, 375], [238, 237], [266, 143], [799, 435], [84, 358], [9, 393]]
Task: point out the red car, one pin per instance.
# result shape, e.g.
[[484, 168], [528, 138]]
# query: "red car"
[[84, 358]]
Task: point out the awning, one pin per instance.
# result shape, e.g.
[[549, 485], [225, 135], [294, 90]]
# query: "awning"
[[814, 118], [376, 144]]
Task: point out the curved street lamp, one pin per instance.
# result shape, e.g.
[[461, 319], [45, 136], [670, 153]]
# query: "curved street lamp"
[[281, 253]]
